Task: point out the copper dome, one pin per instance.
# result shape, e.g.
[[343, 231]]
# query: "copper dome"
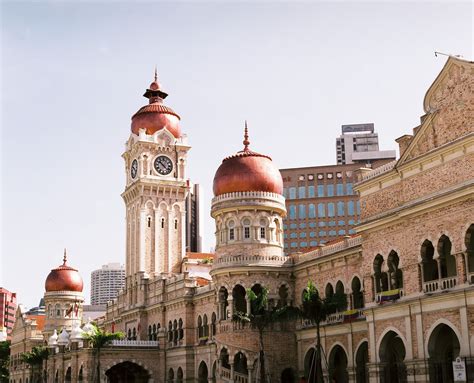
[[247, 171], [64, 278], [156, 116]]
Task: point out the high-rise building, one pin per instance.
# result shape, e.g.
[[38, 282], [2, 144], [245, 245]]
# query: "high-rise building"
[[359, 143], [7, 310], [193, 219], [321, 204], [106, 283]]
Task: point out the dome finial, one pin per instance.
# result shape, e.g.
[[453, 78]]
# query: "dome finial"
[[65, 257], [246, 141], [156, 74]]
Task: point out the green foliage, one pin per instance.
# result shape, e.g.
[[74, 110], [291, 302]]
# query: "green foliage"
[[314, 307], [101, 338], [36, 356], [4, 358]]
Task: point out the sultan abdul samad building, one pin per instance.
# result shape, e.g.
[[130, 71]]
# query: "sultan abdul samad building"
[[407, 274]]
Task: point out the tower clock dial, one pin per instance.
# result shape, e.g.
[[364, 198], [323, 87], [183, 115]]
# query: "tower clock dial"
[[134, 168], [163, 165]]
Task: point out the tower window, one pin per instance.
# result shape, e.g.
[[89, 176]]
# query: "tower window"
[[262, 233], [175, 224], [246, 232], [149, 221], [231, 234], [162, 223]]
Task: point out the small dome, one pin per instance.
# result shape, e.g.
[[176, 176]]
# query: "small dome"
[[77, 333], [53, 339], [247, 171], [89, 328], [64, 278], [63, 338], [156, 116]]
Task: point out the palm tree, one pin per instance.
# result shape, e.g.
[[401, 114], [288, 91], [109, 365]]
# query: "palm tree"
[[99, 338], [260, 318], [4, 359], [35, 359], [315, 309]]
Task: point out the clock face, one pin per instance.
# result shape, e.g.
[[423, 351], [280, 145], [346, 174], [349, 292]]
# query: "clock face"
[[134, 168], [163, 165]]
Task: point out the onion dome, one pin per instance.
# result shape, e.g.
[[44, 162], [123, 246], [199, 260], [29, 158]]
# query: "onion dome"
[[63, 338], [64, 278], [77, 333], [89, 328], [156, 116], [53, 339], [247, 171]]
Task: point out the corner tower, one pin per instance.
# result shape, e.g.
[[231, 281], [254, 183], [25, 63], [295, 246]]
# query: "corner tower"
[[156, 188], [248, 206], [63, 299]]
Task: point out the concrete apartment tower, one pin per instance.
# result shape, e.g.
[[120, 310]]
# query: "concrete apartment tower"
[[106, 282], [359, 143]]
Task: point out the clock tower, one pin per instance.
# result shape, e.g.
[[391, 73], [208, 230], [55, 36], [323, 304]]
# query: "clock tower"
[[156, 188]]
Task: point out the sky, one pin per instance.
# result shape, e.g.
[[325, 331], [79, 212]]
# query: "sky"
[[73, 73]]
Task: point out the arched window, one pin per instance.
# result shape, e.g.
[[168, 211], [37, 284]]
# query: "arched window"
[[162, 223], [328, 291], [154, 336], [129, 334], [213, 324], [134, 334], [246, 225], [200, 328], [205, 325], [238, 294], [231, 230], [223, 303], [447, 263], [395, 274], [57, 308], [262, 229], [175, 332], [170, 331], [148, 221], [469, 241], [341, 302], [380, 277], [357, 295], [283, 295], [150, 333], [176, 224], [180, 329]]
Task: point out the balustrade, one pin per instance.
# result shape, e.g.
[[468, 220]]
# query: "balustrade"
[[134, 343], [440, 284]]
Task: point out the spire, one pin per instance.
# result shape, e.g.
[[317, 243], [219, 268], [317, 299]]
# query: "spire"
[[154, 92], [246, 141], [65, 257]]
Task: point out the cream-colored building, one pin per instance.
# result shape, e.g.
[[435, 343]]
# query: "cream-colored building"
[[407, 274]]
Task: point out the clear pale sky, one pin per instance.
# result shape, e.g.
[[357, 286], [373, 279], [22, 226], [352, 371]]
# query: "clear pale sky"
[[72, 75]]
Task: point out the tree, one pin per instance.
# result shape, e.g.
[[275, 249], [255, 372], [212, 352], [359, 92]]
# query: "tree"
[[35, 359], [98, 339], [260, 318], [4, 359], [316, 310]]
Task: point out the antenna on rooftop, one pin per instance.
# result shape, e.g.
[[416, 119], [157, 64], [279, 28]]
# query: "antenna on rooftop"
[[445, 54]]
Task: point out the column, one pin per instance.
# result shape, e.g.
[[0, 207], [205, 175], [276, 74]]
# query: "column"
[[170, 236], [249, 307], [182, 251], [142, 249], [231, 370], [230, 300], [158, 260], [250, 370]]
